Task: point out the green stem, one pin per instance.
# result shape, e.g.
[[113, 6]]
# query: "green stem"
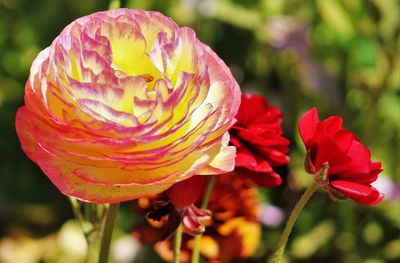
[[207, 194], [292, 219], [177, 244], [114, 4], [97, 222], [93, 241], [108, 227], [76, 208], [204, 204]]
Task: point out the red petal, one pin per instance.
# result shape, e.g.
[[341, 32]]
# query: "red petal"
[[363, 194], [330, 125], [252, 161], [244, 158], [358, 169], [327, 150], [376, 168], [344, 139], [187, 192], [250, 107], [261, 138], [276, 157], [307, 125], [266, 179], [262, 166]]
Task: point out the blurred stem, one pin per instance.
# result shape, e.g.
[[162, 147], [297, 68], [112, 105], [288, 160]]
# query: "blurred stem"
[[97, 222], [93, 241], [204, 204], [76, 208], [177, 244], [114, 4], [207, 194], [292, 219], [105, 243]]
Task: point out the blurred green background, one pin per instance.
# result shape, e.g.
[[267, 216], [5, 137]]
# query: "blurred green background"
[[340, 56]]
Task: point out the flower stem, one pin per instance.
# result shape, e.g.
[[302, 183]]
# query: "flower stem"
[[114, 4], [204, 204], [97, 222], [292, 219], [109, 224], [177, 244], [207, 194]]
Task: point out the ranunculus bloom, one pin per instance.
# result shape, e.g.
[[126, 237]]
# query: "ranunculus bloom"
[[233, 232], [123, 104], [257, 135], [350, 170]]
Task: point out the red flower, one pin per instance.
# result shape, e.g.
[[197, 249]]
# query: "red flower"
[[350, 170], [257, 136]]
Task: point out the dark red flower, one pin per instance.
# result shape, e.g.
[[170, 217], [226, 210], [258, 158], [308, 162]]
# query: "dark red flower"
[[258, 138], [350, 170]]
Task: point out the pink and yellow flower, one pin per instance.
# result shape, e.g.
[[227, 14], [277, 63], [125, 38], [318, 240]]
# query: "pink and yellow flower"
[[125, 103]]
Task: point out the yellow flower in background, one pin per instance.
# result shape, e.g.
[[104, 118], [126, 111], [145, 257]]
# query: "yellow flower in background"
[[123, 104]]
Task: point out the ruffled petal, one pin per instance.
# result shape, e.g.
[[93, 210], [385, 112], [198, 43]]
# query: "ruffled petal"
[[223, 158], [124, 103], [251, 107], [258, 138]]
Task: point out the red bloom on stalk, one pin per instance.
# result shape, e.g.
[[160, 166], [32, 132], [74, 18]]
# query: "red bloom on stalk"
[[259, 143], [350, 170]]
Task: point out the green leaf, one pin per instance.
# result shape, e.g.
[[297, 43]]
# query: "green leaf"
[[336, 17]]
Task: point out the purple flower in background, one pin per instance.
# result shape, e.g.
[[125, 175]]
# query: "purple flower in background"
[[271, 215], [385, 185]]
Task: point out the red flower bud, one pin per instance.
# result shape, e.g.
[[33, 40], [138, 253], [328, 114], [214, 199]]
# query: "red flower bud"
[[187, 192]]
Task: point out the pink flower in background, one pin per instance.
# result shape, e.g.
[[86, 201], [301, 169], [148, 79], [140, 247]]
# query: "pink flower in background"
[[123, 104], [350, 169], [257, 135]]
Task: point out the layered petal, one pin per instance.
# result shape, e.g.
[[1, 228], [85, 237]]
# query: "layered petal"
[[257, 136], [123, 104]]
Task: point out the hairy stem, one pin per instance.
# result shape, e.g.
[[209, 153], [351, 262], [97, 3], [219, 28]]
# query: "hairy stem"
[[292, 219]]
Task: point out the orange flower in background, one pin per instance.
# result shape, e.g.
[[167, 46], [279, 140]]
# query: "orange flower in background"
[[123, 104], [258, 137], [233, 231]]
